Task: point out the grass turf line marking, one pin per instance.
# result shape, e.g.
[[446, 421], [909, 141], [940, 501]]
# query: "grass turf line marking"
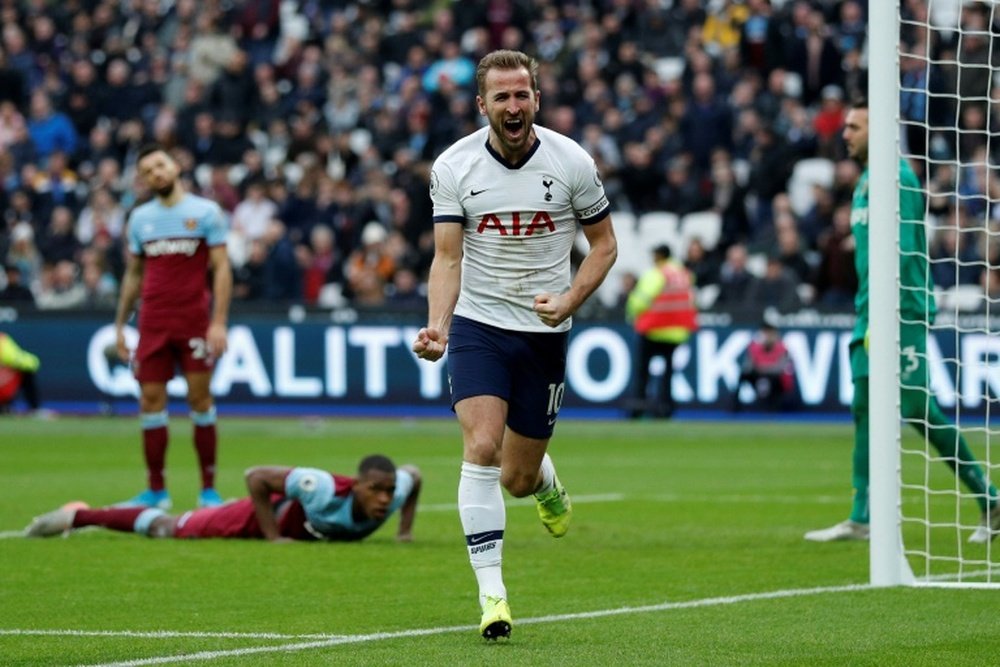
[[10, 534], [163, 634], [423, 632]]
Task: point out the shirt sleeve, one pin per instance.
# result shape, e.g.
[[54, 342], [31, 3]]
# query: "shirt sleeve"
[[134, 245], [589, 201], [404, 486], [216, 227], [444, 195], [312, 487]]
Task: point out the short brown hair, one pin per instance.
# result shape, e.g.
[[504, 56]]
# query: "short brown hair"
[[149, 149], [506, 59]]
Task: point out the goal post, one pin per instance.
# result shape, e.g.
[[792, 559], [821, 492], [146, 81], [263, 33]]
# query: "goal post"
[[887, 564], [922, 510]]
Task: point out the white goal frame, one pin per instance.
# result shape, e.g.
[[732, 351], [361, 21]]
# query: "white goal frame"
[[889, 565]]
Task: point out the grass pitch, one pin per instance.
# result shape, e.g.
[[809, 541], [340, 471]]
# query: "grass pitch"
[[686, 549]]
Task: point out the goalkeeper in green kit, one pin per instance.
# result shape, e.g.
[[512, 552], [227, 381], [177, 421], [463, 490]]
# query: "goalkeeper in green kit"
[[917, 309]]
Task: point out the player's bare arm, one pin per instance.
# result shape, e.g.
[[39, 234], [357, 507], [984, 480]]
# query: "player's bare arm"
[[553, 309], [444, 283], [262, 481], [408, 511], [131, 287], [222, 291]]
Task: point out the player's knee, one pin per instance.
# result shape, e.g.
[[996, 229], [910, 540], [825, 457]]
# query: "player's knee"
[[519, 483], [482, 452], [200, 403]]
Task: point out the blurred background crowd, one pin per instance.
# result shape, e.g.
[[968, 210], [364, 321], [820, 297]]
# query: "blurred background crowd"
[[313, 123]]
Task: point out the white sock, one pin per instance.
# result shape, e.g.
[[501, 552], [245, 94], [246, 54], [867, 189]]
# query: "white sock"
[[484, 517], [547, 473]]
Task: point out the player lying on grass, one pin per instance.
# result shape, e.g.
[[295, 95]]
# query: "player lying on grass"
[[284, 504]]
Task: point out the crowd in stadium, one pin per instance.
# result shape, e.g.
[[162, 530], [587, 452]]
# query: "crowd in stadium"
[[313, 124]]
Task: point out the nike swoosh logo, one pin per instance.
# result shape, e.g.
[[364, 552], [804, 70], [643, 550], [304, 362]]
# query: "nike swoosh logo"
[[473, 193], [476, 539], [552, 421]]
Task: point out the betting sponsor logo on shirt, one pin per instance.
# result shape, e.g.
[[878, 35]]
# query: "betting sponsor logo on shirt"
[[171, 247]]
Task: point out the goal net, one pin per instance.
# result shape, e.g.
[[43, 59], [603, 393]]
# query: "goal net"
[[934, 102]]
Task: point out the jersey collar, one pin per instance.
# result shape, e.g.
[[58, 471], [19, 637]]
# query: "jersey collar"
[[513, 165]]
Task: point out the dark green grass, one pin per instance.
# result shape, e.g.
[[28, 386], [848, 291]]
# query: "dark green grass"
[[684, 512]]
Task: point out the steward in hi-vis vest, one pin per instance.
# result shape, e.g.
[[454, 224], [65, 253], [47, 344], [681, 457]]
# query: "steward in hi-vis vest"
[[662, 310]]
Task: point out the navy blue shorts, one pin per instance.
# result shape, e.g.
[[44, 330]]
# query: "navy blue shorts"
[[527, 369]]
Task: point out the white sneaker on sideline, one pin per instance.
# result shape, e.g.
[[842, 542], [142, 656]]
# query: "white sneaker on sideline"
[[845, 530]]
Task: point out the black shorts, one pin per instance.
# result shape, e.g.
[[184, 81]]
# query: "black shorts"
[[526, 369]]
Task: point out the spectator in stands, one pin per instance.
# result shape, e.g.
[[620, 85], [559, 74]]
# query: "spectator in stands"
[[349, 84], [324, 262], [12, 124], [14, 291], [250, 277], [812, 52], [98, 281], [254, 213], [369, 268], [777, 288], [703, 266], [707, 122], [790, 250], [23, 253], [58, 243], [836, 280], [955, 257], [50, 130], [728, 199], [101, 216], [60, 287], [735, 278], [282, 273]]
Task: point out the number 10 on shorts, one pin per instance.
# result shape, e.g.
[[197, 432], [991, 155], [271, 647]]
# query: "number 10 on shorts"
[[556, 392]]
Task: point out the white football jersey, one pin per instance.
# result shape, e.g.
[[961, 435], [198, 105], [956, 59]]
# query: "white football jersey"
[[520, 222]]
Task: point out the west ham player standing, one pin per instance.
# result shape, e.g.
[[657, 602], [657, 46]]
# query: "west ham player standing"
[[507, 201], [175, 241]]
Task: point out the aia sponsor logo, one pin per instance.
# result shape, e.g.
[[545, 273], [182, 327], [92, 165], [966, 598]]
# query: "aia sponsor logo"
[[515, 225]]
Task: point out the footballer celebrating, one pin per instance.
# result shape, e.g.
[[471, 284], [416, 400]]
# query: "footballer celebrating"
[[175, 241], [508, 201]]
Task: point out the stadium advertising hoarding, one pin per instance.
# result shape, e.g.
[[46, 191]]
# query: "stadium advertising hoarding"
[[280, 365]]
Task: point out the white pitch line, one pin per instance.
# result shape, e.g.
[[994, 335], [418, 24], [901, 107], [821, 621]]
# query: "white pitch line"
[[9, 534], [163, 634], [423, 632]]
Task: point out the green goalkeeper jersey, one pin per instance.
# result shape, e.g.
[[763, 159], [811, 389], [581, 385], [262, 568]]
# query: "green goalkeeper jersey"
[[916, 291]]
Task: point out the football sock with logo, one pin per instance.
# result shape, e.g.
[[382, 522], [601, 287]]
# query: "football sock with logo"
[[546, 476], [205, 443], [154, 445], [484, 517]]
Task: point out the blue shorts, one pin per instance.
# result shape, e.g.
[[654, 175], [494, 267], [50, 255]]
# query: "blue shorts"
[[527, 369]]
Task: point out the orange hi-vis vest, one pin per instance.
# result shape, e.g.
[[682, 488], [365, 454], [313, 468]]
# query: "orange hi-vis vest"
[[674, 307]]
